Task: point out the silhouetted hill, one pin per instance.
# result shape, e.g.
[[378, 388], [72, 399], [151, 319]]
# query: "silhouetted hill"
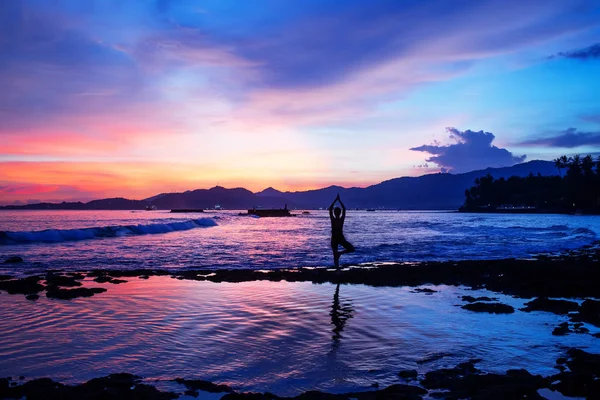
[[433, 191]]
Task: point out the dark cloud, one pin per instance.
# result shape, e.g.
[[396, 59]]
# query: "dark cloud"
[[588, 53], [472, 150], [567, 139]]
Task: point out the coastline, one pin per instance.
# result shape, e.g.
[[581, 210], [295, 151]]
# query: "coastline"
[[546, 279]]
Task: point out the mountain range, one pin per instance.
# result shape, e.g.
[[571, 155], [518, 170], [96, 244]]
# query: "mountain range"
[[428, 192]]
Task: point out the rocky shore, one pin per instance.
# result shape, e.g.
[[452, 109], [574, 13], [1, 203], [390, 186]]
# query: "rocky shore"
[[579, 376], [575, 274], [566, 285]]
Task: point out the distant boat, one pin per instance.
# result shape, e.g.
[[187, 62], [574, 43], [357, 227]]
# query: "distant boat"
[[305, 213], [151, 207], [281, 212], [217, 207]]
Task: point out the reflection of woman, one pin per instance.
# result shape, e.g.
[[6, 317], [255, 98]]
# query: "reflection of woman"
[[337, 233], [340, 314]]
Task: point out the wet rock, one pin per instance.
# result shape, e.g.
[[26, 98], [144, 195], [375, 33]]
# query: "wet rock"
[[560, 307], [76, 275], [109, 279], [408, 374], [492, 308], [60, 280], [120, 386], [250, 396], [144, 277], [469, 382], [562, 329], [471, 299], [571, 275], [29, 285], [13, 260], [588, 312], [54, 292], [205, 386], [561, 360], [424, 290], [5, 277], [32, 296]]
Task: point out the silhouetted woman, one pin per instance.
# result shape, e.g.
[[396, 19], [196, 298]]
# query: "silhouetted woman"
[[337, 234]]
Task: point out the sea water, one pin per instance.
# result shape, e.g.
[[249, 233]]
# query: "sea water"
[[281, 337], [80, 240]]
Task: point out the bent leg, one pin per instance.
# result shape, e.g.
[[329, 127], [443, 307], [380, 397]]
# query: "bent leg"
[[348, 248]]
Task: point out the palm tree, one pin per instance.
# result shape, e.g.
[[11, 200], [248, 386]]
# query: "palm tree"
[[559, 165]]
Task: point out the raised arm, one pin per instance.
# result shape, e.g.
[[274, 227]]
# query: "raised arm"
[[331, 208], [343, 208]]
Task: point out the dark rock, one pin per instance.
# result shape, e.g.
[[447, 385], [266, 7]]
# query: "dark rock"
[[67, 294], [562, 329], [596, 335], [13, 260], [21, 377], [108, 279], [408, 373], [588, 312], [471, 299], [560, 307], [5, 277], [469, 382], [32, 296], [574, 274], [29, 285], [205, 386], [424, 290], [561, 360], [144, 277], [492, 308], [60, 280], [76, 275], [249, 396]]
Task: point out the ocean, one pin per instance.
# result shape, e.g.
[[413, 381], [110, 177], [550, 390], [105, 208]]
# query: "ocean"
[[83, 240], [282, 337]]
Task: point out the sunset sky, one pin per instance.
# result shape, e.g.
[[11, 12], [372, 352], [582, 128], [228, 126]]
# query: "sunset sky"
[[103, 98]]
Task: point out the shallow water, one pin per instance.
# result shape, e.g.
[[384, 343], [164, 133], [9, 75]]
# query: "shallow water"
[[270, 336], [158, 239]]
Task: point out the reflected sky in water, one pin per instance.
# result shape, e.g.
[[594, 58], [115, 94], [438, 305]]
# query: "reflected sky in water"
[[270, 336]]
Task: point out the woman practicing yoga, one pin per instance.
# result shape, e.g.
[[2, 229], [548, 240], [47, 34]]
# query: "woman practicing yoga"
[[337, 234]]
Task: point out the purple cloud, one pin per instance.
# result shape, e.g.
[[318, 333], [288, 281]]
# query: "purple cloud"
[[568, 139], [473, 150]]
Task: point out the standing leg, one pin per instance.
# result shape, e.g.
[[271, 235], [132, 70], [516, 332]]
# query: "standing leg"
[[336, 253]]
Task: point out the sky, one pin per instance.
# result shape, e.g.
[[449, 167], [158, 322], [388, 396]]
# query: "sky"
[[106, 98]]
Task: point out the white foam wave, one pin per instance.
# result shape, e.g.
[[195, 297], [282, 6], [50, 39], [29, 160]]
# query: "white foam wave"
[[63, 235]]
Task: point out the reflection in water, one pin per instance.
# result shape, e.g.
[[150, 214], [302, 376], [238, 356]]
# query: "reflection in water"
[[340, 314], [281, 337]]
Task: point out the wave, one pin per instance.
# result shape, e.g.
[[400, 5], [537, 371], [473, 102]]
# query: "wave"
[[63, 235]]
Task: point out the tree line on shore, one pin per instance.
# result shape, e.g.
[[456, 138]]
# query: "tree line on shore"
[[576, 188]]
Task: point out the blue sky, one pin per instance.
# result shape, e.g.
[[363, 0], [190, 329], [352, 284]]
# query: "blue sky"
[[132, 98]]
